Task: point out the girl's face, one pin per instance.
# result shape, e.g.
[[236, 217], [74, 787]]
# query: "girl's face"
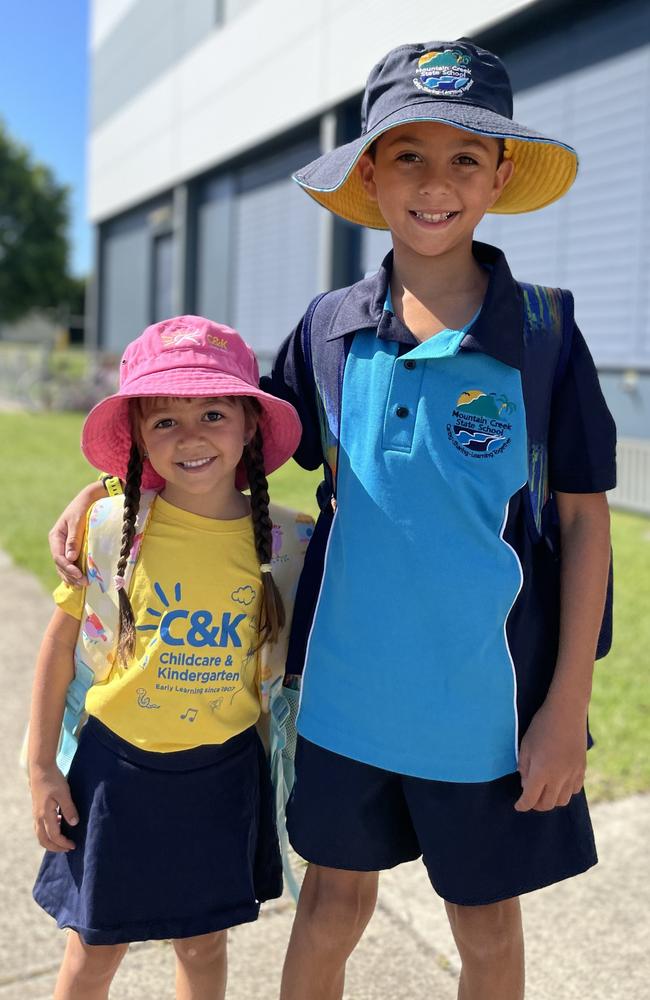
[[195, 445]]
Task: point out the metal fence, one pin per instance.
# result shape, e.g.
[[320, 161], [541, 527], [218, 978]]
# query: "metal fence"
[[633, 476], [40, 376]]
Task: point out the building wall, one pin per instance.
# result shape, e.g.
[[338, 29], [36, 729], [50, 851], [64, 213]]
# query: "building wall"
[[235, 97], [269, 67]]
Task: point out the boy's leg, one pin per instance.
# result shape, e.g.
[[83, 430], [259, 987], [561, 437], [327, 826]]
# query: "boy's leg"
[[349, 820], [87, 970], [490, 942], [333, 911], [201, 966]]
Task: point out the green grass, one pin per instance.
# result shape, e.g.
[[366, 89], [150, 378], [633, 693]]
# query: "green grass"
[[43, 469], [619, 763]]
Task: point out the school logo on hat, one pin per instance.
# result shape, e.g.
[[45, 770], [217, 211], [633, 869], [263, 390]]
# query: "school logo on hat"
[[445, 73], [480, 426]]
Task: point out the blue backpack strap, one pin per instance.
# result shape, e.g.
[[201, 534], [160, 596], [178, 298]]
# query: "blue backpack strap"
[[548, 336], [316, 324], [548, 328]]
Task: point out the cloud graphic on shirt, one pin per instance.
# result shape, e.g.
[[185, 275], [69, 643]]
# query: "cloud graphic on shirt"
[[244, 595]]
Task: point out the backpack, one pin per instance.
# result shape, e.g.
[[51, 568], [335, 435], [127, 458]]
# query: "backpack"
[[548, 333], [98, 633]]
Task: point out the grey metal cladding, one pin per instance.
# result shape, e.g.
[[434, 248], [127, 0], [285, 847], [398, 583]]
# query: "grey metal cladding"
[[596, 240], [151, 38]]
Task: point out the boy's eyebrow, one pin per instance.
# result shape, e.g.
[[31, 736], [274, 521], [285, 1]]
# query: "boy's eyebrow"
[[471, 140]]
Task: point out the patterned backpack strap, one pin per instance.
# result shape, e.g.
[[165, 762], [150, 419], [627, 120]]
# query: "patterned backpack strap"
[[291, 534], [548, 331], [548, 335], [98, 630]]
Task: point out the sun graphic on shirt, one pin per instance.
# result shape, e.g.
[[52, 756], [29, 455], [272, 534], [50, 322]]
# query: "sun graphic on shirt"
[[164, 600], [157, 614]]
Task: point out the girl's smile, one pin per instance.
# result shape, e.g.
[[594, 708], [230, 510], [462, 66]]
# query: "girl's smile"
[[195, 465]]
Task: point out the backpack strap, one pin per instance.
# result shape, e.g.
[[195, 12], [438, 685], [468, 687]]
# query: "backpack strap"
[[548, 332], [99, 627], [548, 336], [316, 325]]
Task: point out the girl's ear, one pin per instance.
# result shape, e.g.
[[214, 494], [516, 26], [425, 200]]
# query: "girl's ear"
[[250, 424], [135, 419]]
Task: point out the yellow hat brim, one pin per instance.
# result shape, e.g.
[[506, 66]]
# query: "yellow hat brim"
[[544, 171]]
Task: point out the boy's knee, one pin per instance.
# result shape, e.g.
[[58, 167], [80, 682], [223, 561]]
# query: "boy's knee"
[[203, 950], [95, 963], [340, 903], [487, 933]]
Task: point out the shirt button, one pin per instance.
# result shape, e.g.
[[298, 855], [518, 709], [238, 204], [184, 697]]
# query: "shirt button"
[[402, 411], [410, 365]]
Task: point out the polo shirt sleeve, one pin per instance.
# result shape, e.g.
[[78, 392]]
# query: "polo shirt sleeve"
[[291, 381], [582, 433]]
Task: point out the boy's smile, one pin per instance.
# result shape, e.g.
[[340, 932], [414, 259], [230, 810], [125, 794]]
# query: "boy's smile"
[[433, 184]]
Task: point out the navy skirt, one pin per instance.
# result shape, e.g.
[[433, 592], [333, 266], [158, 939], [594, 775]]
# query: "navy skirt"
[[167, 845]]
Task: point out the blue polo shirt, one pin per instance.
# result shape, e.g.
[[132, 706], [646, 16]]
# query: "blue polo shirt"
[[433, 629]]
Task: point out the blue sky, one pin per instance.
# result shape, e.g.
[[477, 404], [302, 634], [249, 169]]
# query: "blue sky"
[[44, 96]]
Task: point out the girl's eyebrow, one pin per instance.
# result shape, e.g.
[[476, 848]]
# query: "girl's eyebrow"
[[162, 406]]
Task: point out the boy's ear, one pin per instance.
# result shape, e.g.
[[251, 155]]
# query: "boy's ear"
[[366, 170], [503, 175]]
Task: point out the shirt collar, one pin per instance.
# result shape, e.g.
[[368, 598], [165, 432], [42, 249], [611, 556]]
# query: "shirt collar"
[[498, 330]]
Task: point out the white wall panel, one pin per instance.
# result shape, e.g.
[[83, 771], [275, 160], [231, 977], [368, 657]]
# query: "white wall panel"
[[105, 15], [277, 64]]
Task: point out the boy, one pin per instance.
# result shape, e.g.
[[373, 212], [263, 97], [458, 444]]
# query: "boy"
[[444, 701]]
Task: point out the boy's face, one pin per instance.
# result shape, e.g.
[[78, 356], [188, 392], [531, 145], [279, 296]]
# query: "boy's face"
[[433, 184]]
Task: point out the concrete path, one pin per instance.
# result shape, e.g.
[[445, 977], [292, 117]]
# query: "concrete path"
[[587, 939]]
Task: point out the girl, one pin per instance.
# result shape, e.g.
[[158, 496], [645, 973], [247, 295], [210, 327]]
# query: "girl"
[[164, 828]]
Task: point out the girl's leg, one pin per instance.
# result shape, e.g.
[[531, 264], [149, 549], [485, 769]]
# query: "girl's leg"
[[87, 969], [490, 940], [201, 966], [333, 911]]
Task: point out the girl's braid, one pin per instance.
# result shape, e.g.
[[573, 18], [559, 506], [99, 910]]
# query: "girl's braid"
[[126, 638], [273, 617]]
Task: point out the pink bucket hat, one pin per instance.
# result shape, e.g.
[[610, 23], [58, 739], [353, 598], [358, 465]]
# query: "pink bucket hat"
[[187, 356]]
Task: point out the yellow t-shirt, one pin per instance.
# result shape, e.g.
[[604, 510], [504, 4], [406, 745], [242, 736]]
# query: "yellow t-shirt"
[[195, 594]]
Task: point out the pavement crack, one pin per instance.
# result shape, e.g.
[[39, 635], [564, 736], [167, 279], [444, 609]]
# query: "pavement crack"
[[441, 959]]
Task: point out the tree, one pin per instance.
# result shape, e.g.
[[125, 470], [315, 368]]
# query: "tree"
[[34, 217]]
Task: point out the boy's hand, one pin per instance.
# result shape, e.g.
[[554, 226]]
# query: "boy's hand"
[[66, 537], [51, 799], [552, 758]]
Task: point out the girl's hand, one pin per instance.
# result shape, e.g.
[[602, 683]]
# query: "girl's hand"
[[66, 536], [553, 758], [51, 799]]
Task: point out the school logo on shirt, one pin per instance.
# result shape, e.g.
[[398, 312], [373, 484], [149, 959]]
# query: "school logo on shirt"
[[444, 74], [480, 426]]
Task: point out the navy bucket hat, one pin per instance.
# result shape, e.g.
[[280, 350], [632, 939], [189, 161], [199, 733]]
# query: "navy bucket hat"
[[456, 83]]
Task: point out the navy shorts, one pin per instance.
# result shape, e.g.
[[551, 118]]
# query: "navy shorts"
[[477, 849], [169, 845]]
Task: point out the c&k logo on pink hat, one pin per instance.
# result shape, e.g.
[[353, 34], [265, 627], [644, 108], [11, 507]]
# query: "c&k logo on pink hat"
[[181, 336]]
